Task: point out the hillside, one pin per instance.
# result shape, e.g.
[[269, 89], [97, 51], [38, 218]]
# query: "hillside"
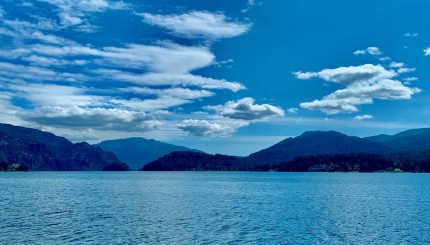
[[195, 161], [316, 143], [43, 151], [409, 140]]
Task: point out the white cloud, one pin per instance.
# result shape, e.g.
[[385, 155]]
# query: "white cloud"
[[370, 50], [405, 70], [166, 57], [94, 118], [349, 75], [54, 95], [410, 79], [197, 24], [246, 109], [411, 34], [385, 59], [25, 30], [169, 64], [363, 117], [168, 79], [74, 12], [14, 71], [229, 117], [293, 110], [56, 81], [397, 64], [36, 60], [2, 12], [206, 128], [305, 75], [183, 93], [363, 84], [250, 4]]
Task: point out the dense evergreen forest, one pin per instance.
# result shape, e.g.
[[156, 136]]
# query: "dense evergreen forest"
[[418, 161]]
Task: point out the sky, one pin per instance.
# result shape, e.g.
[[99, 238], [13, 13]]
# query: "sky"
[[223, 76]]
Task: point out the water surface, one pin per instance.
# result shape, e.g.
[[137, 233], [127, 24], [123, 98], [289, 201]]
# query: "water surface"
[[213, 207]]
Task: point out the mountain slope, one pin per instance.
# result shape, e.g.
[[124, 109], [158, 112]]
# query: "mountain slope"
[[409, 140], [195, 161], [316, 143], [43, 151], [136, 152]]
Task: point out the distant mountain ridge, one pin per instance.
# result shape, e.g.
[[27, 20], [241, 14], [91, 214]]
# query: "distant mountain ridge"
[[25, 148], [316, 143], [308, 144], [409, 140], [317, 151], [136, 152], [43, 151]]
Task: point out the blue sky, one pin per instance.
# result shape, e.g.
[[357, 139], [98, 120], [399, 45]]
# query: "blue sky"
[[222, 76]]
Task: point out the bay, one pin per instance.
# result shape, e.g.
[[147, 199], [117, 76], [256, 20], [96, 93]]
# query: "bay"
[[213, 208]]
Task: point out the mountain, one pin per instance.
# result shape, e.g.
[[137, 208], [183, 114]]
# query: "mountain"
[[316, 143], [196, 161], [409, 140], [136, 152], [316, 151], [42, 151]]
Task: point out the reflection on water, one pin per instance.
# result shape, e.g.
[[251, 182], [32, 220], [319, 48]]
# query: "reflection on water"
[[213, 207]]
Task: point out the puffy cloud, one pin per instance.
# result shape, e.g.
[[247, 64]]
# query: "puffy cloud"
[[230, 117], [363, 84], [197, 24], [293, 110], [183, 93], [363, 117], [32, 31], [63, 85], [250, 4], [332, 105], [305, 75], [198, 127], [385, 59], [172, 79], [166, 57], [349, 75], [397, 64], [74, 12], [370, 50], [14, 71], [39, 94], [245, 109], [94, 118], [411, 34], [410, 79], [149, 105], [405, 70]]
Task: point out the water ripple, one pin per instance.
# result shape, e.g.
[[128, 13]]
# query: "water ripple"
[[208, 208]]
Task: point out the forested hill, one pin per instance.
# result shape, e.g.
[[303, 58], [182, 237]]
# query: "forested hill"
[[316, 143], [25, 148], [351, 162], [195, 161], [311, 151], [409, 140]]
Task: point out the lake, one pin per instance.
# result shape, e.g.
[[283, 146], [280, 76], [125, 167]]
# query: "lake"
[[213, 208]]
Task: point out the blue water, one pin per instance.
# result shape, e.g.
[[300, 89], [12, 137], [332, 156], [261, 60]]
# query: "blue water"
[[213, 207]]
